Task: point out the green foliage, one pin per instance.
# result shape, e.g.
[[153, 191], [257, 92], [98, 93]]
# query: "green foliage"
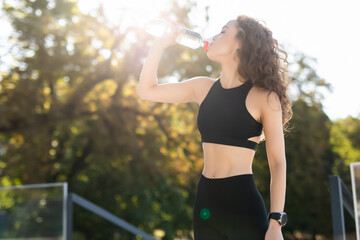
[[345, 143], [70, 112]]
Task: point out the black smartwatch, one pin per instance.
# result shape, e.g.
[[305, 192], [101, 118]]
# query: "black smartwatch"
[[281, 217]]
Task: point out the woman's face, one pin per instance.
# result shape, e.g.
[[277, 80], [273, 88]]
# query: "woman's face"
[[224, 44]]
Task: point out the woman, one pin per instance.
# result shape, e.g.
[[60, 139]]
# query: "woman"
[[228, 204]]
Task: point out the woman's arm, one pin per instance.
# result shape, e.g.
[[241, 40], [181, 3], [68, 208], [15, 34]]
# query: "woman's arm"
[[148, 75], [186, 91], [271, 115]]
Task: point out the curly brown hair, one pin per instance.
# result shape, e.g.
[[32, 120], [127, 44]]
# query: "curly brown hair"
[[260, 62]]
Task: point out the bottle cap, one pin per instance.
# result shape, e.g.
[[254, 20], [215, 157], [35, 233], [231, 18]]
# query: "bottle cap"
[[206, 46]]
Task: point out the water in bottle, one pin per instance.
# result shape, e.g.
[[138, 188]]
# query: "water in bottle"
[[189, 38]]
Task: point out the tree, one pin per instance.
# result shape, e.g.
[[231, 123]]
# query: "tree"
[[71, 113]]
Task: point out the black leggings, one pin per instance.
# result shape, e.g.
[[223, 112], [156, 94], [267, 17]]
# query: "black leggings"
[[229, 208]]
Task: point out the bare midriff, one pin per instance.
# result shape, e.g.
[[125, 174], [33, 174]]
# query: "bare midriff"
[[222, 161]]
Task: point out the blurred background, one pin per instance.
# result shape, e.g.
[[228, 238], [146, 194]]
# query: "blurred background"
[[69, 111]]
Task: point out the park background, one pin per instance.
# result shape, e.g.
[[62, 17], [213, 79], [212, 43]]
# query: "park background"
[[69, 112]]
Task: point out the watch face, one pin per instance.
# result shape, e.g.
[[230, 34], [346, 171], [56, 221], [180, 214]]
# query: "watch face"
[[283, 219]]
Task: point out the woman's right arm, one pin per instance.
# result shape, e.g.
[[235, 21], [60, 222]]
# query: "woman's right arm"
[[180, 92]]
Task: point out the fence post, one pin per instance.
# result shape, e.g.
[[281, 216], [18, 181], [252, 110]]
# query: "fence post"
[[69, 216], [340, 198]]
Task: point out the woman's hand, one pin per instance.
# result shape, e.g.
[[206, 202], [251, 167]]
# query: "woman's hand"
[[274, 233], [170, 40]]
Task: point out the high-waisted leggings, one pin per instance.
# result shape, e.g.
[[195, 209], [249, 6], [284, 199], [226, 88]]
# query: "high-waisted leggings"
[[229, 208]]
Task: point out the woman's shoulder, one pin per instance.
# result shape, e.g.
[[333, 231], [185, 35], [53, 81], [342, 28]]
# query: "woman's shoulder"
[[267, 97], [261, 91]]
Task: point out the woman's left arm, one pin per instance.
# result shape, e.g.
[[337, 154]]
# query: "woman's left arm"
[[271, 115]]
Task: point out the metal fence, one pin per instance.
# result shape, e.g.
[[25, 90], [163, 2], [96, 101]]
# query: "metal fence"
[[45, 211], [341, 198]]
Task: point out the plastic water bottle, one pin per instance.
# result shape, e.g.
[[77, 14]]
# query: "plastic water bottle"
[[189, 38]]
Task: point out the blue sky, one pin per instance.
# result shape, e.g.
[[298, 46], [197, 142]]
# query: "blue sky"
[[325, 30]]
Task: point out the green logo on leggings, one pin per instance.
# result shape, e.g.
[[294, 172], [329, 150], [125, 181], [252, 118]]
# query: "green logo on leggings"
[[205, 213]]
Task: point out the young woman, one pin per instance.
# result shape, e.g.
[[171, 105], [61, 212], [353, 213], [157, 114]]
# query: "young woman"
[[248, 103]]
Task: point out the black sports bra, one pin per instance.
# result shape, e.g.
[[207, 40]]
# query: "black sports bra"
[[223, 117]]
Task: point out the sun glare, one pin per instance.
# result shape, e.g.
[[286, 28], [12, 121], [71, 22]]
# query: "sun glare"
[[134, 13]]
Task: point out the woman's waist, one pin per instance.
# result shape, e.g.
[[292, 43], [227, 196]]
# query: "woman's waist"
[[223, 170], [224, 151]]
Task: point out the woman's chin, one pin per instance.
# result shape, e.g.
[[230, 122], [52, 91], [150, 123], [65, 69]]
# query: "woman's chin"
[[210, 56]]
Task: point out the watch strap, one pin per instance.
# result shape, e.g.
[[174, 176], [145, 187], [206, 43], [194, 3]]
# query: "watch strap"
[[278, 216]]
